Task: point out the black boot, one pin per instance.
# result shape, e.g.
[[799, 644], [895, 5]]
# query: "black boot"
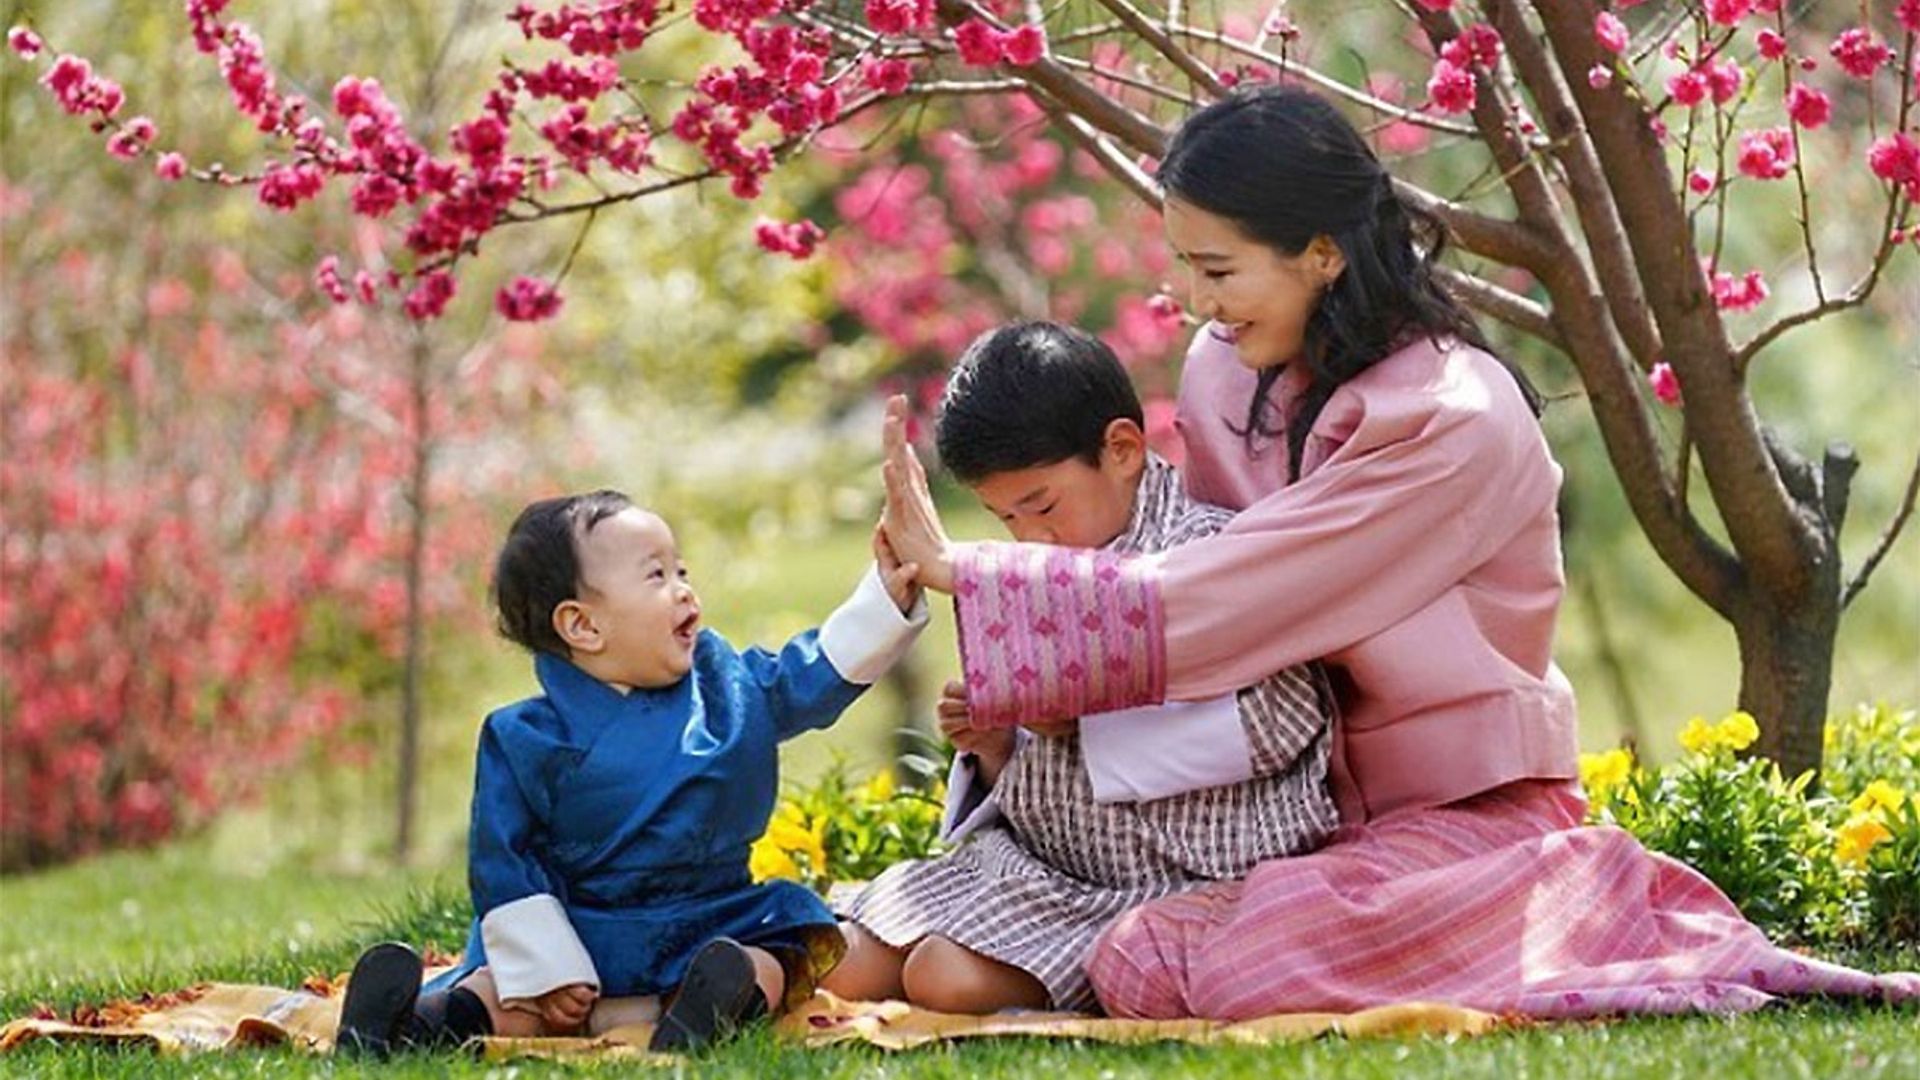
[[718, 996], [445, 1019], [381, 994]]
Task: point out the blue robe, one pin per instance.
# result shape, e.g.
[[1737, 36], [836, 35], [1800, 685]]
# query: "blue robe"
[[627, 818]]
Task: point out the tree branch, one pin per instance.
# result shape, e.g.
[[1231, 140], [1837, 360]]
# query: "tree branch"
[[1509, 307], [1887, 537], [1117, 164], [1500, 239], [1606, 240], [1164, 44]]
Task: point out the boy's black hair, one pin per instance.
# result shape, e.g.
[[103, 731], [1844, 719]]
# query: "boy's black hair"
[[1029, 394], [539, 566]]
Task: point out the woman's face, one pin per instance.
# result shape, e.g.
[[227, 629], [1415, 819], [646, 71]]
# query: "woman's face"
[[1257, 298]]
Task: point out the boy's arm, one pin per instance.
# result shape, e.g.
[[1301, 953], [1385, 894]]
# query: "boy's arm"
[[530, 943], [810, 681]]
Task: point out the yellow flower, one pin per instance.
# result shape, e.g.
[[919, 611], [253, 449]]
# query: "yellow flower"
[[1737, 731], [1879, 796], [1857, 838], [1601, 773], [768, 861], [1697, 737], [880, 788], [790, 832]]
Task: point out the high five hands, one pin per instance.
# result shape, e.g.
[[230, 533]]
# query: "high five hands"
[[910, 521]]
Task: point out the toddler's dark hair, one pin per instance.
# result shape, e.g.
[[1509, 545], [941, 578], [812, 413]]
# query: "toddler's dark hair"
[[1029, 394], [539, 566]]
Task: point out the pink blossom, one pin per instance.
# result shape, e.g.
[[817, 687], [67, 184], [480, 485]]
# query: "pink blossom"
[[1768, 154], [285, 187], [1688, 88], [429, 297], [1728, 12], [796, 239], [1700, 181], [1451, 89], [1026, 45], [1611, 32], [1809, 108], [1772, 45], [1437, 5], [326, 278], [527, 300], [891, 76], [1477, 44], [1599, 76], [899, 16], [1724, 79], [123, 145], [979, 44], [1896, 159], [1743, 293], [171, 166], [1666, 387], [1908, 15], [24, 41], [366, 285], [1860, 54]]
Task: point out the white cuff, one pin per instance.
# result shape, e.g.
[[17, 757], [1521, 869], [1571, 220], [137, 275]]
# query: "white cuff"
[[867, 635], [1156, 751], [532, 948], [970, 803]]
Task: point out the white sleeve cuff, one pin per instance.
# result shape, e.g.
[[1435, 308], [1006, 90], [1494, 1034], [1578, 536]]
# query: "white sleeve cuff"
[[970, 802], [1157, 751], [867, 635], [532, 948]]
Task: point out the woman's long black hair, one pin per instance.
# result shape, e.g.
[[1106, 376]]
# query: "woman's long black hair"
[[1281, 163]]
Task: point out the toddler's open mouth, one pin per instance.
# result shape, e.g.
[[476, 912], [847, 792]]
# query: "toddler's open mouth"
[[687, 629]]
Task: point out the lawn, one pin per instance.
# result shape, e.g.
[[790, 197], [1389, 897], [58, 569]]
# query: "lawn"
[[158, 920]]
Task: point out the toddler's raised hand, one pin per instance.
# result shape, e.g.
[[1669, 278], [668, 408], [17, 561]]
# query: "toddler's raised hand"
[[897, 576]]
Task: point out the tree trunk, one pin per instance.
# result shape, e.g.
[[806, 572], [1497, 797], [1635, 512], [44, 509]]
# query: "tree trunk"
[[1786, 671], [409, 778]]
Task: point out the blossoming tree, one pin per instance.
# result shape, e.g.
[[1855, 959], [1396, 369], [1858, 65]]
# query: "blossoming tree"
[[1620, 144]]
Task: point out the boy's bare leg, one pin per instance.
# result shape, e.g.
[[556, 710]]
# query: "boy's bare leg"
[[610, 1013], [771, 977], [870, 971], [511, 1023], [947, 977]]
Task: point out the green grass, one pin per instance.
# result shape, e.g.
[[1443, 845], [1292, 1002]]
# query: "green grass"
[[114, 926]]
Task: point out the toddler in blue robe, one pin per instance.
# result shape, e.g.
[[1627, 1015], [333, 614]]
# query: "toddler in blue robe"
[[613, 813]]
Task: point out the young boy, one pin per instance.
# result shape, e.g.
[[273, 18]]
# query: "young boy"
[[1067, 830], [612, 814]]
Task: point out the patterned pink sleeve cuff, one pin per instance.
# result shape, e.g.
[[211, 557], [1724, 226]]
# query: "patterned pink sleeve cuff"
[[1052, 633]]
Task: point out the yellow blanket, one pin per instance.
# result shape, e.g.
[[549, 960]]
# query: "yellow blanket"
[[217, 1016]]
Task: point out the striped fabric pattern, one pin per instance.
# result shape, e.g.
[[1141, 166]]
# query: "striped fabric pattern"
[[1036, 890], [1503, 903]]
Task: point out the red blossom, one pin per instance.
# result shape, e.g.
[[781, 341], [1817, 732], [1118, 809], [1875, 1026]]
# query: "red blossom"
[[527, 300], [1772, 46], [1859, 53], [170, 166], [796, 239], [1766, 155], [980, 45], [1026, 45], [24, 41], [1666, 387], [430, 294], [1809, 108], [1451, 88], [1728, 12], [1610, 32]]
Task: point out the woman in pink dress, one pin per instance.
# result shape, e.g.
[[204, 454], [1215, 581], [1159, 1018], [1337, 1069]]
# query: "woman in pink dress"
[[1397, 519]]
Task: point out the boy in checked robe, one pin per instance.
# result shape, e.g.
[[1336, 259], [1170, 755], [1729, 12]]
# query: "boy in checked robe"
[[1067, 830]]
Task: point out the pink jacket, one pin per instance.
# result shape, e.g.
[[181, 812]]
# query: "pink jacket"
[[1418, 554]]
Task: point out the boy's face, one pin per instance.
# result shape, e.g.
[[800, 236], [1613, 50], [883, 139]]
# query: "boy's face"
[[637, 617], [1071, 503]]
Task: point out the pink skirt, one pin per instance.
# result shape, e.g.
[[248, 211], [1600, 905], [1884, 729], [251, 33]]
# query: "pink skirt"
[[1503, 903]]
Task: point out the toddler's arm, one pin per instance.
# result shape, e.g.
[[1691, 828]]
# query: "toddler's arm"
[[530, 943]]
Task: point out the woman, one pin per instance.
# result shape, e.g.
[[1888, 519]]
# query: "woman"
[[1398, 521]]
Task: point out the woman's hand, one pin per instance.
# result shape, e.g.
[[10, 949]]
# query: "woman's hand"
[[911, 522]]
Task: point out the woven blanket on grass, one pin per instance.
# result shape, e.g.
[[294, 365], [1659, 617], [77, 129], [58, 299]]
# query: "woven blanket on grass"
[[219, 1016]]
